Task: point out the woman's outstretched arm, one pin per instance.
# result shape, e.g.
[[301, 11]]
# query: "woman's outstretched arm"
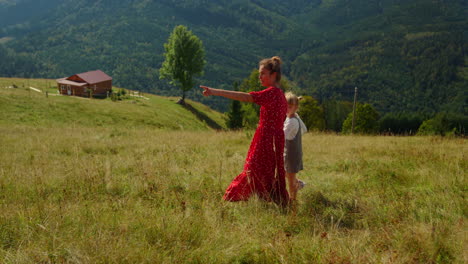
[[239, 96]]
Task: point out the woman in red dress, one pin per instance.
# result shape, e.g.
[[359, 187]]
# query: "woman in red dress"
[[263, 172]]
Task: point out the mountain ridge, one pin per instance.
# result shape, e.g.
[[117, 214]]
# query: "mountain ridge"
[[328, 47]]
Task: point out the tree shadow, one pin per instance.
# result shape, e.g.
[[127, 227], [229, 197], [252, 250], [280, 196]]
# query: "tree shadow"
[[202, 116]]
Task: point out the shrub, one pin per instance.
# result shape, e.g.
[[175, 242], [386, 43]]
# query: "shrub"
[[401, 123], [366, 120], [235, 114], [335, 113], [119, 96], [444, 124], [311, 113]]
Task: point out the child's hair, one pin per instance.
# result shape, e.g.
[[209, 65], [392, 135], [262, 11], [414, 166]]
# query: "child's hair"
[[292, 99], [272, 64]]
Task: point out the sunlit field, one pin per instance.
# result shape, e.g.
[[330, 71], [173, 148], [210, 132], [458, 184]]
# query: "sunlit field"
[[29, 104], [83, 194]]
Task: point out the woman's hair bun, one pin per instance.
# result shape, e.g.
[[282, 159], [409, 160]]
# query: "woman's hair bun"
[[276, 59], [272, 64]]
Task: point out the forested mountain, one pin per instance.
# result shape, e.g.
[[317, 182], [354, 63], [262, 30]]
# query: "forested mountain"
[[402, 55]]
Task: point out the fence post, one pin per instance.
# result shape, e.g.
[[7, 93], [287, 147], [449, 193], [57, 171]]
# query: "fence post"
[[354, 110]]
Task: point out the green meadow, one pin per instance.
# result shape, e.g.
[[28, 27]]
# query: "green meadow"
[[141, 181], [26, 106]]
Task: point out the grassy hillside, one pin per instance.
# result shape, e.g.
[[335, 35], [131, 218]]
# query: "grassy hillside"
[[141, 181], [24, 106], [139, 195]]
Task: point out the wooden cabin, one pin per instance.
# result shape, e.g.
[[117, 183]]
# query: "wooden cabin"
[[95, 83]]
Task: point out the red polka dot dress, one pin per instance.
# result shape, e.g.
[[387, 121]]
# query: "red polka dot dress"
[[264, 172]]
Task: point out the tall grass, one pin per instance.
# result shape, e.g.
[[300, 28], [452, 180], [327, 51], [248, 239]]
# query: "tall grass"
[[142, 195], [141, 181]]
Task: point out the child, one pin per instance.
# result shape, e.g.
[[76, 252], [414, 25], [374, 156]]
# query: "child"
[[293, 130]]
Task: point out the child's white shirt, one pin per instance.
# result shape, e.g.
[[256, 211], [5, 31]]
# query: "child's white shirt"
[[291, 126]]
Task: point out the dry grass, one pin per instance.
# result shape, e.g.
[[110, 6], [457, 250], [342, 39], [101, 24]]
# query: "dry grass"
[[140, 195]]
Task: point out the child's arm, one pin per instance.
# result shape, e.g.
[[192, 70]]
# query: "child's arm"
[[239, 96], [291, 126], [303, 126]]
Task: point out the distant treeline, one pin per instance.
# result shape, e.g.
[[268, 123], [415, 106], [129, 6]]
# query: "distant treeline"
[[404, 56], [337, 116]]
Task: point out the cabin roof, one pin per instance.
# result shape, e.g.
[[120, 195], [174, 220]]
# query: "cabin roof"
[[65, 81], [93, 77]]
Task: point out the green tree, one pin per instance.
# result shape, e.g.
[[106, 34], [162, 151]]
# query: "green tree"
[[444, 124], [184, 59], [235, 114], [401, 123], [366, 120], [335, 113], [311, 113], [250, 111]]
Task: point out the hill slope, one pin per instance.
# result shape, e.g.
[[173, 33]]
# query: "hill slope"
[[403, 55], [23, 106]]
